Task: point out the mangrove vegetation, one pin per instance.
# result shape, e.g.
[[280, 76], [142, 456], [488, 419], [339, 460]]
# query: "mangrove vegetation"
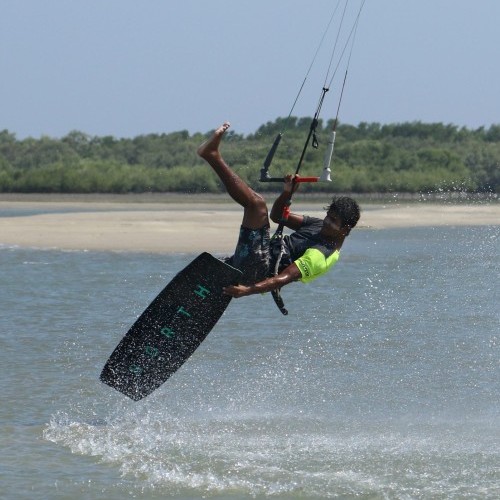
[[370, 157]]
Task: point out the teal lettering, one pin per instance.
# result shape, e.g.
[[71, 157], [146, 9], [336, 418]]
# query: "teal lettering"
[[167, 331], [202, 291], [181, 310], [152, 351], [136, 370]]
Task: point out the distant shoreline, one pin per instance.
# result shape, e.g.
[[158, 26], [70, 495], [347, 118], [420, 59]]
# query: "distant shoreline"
[[176, 197], [180, 223]]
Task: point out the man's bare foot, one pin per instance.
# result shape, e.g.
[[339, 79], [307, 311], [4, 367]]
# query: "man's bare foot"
[[210, 148]]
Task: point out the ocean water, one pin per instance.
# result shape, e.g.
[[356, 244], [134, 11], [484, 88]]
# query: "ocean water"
[[382, 382]]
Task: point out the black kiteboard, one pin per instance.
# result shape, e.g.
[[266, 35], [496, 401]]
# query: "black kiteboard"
[[171, 328]]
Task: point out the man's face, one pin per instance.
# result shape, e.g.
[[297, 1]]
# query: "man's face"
[[332, 224]]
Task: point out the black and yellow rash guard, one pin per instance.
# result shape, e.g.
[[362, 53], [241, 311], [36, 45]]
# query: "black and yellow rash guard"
[[312, 255]]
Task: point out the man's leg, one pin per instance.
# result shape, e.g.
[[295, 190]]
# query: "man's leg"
[[255, 210]]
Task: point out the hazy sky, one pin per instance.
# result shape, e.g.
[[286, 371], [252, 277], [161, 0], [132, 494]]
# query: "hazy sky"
[[125, 67]]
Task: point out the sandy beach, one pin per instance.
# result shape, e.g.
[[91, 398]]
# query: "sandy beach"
[[187, 225]]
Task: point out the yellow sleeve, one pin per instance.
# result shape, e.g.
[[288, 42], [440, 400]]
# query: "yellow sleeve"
[[314, 263]]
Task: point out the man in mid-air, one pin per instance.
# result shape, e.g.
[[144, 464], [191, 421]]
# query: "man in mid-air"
[[310, 251]]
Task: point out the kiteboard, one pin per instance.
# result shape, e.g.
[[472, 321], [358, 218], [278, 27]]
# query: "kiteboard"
[[171, 328]]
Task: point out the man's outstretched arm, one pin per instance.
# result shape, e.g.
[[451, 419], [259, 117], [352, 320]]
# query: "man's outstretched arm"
[[289, 274]]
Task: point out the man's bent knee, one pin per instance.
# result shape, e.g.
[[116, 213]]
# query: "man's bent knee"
[[256, 215], [258, 204]]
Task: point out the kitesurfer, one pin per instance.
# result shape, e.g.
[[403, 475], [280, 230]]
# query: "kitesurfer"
[[309, 252]]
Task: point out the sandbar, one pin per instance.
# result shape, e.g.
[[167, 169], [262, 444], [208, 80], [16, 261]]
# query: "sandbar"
[[189, 225]]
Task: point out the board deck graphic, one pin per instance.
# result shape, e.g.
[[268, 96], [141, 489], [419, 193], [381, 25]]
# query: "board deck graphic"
[[171, 328]]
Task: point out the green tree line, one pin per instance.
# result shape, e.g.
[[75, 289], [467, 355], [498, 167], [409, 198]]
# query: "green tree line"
[[370, 157]]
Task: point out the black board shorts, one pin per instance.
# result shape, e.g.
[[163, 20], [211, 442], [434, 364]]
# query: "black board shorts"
[[252, 256]]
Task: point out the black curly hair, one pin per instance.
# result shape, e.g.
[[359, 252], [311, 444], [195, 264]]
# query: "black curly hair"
[[347, 209]]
